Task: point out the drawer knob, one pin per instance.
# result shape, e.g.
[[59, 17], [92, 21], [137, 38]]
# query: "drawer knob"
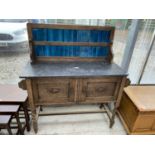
[[100, 89], [54, 90]]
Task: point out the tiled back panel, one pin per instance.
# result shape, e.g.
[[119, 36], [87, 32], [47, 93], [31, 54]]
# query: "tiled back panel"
[[71, 51], [67, 35]]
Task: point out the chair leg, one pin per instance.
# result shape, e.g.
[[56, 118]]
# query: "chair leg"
[[26, 116], [19, 124]]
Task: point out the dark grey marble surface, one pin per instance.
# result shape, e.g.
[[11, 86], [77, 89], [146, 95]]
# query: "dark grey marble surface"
[[71, 69]]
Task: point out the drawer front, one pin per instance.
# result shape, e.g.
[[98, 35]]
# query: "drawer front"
[[99, 89], [53, 91]]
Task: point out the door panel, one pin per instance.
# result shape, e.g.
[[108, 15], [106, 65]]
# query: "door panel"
[[49, 91], [145, 122], [97, 90]]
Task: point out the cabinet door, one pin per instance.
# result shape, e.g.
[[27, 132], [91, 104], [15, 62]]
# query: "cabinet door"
[[145, 122], [53, 91], [98, 90]]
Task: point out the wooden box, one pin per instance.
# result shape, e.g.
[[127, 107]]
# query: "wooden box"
[[137, 109]]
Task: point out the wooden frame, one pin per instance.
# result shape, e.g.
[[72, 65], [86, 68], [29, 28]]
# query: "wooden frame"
[[35, 58]]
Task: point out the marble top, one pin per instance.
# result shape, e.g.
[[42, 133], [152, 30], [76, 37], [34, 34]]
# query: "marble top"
[[71, 69]]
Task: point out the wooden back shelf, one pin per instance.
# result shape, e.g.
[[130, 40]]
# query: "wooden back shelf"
[[55, 42]]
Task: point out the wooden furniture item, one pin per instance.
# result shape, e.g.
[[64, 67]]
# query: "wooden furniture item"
[[70, 65], [137, 109], [7, 112], [13, 95]]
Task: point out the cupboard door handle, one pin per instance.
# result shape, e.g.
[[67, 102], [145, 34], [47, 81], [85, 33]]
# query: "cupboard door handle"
[[54, 90], [100, 89]]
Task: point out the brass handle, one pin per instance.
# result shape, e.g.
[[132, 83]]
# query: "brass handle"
[[54, 90]]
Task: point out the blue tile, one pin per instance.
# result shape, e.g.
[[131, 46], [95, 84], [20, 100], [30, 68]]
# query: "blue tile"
[[65, 35]]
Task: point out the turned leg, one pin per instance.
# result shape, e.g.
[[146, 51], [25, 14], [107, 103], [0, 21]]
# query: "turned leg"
[[34, 121], [35, 126], [112, 120], [26, 116], [32, 104]]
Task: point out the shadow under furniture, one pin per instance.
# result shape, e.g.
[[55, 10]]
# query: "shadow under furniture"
[[72, 65]]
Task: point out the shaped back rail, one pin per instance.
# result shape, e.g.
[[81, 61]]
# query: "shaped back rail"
[[53, 42]]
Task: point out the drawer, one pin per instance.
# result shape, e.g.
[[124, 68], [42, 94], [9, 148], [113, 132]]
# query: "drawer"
[[99, 89], [50, 91]]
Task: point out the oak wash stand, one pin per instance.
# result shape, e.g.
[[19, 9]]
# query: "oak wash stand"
[[72, 65]]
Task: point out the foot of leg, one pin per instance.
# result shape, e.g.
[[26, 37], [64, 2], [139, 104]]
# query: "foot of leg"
[[112, 120], [35, 126], [34, 121], [41, 108], [101, 106]]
